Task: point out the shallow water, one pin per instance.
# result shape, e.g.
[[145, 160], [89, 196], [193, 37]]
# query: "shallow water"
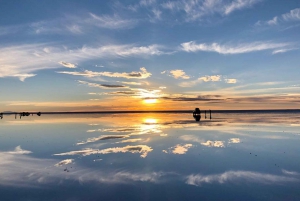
[[236, 156]]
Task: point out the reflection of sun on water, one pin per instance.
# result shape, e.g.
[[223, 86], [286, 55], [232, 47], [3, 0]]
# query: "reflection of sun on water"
[[150, 121], [150, 126], [150, 101]]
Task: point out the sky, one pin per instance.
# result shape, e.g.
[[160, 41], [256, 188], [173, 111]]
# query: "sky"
[[149, 55]]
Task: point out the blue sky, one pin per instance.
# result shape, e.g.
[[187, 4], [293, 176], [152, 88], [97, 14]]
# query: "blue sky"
[[149, 54]]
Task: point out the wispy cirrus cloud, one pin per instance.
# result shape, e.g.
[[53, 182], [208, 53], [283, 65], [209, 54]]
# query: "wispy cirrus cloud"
[[239, 176], [142, 74], [192, 46], [22, 60], [197, 10], [283, 50], [70, 24], [103, 86], [239, 5], [292, 16]]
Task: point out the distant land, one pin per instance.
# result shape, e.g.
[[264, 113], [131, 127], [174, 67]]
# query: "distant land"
[[159, 111]]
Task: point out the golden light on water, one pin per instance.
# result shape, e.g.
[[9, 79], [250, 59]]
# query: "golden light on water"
[[150, 121]]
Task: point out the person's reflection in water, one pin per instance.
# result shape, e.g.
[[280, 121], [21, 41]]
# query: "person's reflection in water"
[[197, 114]]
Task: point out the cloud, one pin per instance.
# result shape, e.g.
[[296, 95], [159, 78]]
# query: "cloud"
[[293, 15], [103, 137], [234, 140], [238, 5], [197, 10], [143, 74], [66, 64], [210, 143], [206, 78], [142, 149], [212, 78], [22, 77], [64, 162], [109, 22], [237, 177], [18, 150], [130, 140], [179, 74], [283, 50], [292, 173], [231, 81], [204, 98], [192, 46], [132, 83], [103, 86], [181, 149], [33, 173], [42, 56]]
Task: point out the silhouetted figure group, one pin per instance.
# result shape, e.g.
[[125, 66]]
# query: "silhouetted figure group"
[[197, 114]]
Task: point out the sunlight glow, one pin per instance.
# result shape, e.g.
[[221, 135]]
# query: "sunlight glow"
[[150, 101]]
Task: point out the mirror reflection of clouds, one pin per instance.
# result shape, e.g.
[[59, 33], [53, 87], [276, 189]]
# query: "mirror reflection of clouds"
[[120, 140]]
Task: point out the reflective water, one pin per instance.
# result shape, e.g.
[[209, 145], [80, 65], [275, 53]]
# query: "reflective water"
[[249, 156]]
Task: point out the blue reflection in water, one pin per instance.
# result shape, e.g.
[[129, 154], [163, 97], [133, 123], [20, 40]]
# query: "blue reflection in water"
[[150, 157]]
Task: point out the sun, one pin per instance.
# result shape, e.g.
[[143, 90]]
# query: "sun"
[[150, 101]]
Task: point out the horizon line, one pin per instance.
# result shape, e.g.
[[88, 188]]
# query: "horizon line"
[[151, 111]]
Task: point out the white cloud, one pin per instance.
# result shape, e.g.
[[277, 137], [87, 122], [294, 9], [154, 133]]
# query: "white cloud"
[[231, 49], [22, 77], [293, 15], [234, 140], [239, 176], [292, 173], [130, 140], [33, 173], [238, 5], [64, 162], [179, 74], [67, 64], [212, 78], [157, 14], [181, 149], [20, 61], [207, 78], [142, 149], [143, 74], [132, 83], [18, 150], [109, 22], [231, 81], [197, 10], [283, 50], [210, 143]]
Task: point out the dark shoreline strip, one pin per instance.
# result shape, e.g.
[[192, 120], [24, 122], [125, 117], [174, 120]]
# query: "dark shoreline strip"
[[163, 111]]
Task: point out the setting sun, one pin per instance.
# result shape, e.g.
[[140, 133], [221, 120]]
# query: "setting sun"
[[150, 101]]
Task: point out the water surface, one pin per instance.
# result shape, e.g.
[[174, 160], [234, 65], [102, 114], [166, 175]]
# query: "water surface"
[[236, 156]]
